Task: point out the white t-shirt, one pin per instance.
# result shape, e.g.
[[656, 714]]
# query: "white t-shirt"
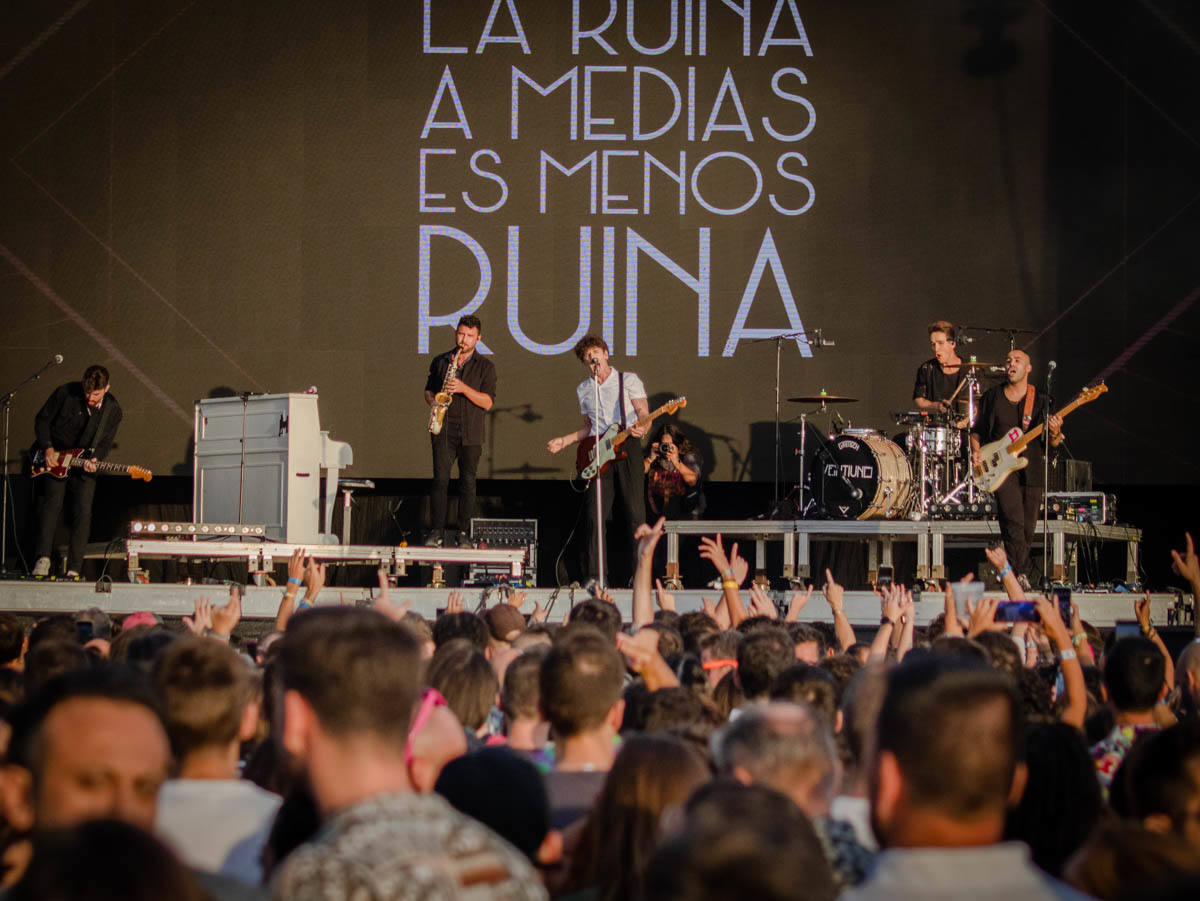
[[217, 825], [609, 389]]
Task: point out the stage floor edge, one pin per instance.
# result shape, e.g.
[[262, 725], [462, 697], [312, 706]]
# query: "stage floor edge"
[[862, 607]]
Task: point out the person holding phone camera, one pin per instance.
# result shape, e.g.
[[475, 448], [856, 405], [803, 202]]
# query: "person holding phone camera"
[[673, 476]]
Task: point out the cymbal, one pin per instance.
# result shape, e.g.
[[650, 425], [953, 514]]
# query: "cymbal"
[[822, 398], [975, 364]]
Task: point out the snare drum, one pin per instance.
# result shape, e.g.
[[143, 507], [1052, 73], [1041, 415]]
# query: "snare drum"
[[938, 440], [874, 466]]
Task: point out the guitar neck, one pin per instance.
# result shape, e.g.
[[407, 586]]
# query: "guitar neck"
[[643, 422], [102, 466], [1033, 434]]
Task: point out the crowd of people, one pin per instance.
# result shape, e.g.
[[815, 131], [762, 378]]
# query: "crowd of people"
[[745, 750]]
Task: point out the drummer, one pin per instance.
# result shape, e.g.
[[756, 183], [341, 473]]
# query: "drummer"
[[939, 377]]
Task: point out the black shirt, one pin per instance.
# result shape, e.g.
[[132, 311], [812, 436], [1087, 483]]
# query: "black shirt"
[[933, 384], [478, 373], [65, 421], [997, 415]]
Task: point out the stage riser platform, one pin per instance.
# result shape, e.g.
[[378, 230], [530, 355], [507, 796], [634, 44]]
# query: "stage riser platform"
[[862, 607]]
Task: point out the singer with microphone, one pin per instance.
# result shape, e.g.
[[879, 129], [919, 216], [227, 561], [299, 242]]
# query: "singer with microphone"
[[939, 377], [609, 396], [78, 414], [1016, 404]]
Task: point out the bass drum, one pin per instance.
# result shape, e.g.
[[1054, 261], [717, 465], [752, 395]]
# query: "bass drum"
[[877, 468]]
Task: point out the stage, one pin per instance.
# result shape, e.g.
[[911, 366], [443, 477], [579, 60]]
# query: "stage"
[[261, 602]]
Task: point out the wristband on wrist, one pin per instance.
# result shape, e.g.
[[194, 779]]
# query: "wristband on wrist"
[[883, 620], [292, 580], [727, 574], [1078, 638], [1004, 572], [1068, 654], [729, 583]]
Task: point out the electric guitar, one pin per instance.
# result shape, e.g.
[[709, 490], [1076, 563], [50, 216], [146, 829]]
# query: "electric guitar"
[[595, 455], [1002, 457], [75, 459]]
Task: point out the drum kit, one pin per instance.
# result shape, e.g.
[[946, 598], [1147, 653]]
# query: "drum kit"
[[922, 472]]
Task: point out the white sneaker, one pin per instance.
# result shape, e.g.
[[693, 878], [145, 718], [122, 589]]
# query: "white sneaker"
[[72, 574], [41, 567]]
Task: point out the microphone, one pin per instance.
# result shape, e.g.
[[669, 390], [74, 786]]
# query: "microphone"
[[1051, 366], [819, 340], [58, 358]]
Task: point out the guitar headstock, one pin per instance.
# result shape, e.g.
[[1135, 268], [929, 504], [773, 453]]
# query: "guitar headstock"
[[137, 472], [1091, 392], [672, 405]]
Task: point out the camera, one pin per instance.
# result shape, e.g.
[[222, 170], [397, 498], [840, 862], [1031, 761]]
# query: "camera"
[[656, 448]]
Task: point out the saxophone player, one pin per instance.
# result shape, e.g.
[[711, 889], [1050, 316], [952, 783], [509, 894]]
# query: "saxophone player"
[[461, 387]]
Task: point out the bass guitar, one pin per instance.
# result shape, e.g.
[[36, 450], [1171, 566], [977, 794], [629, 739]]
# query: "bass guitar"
[[75, 459], [596, 454], [1002, 457]]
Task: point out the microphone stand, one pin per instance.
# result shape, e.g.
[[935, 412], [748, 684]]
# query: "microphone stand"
[[816, 341], [7, 400], [596, 483], [1047, 573]]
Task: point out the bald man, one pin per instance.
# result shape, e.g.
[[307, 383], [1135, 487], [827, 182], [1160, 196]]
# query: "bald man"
[[1016, 404]]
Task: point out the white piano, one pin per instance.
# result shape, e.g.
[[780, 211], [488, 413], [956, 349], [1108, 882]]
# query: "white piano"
[[290, 474]]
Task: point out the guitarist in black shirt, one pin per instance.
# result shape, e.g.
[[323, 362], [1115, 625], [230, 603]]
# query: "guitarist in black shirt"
[[1016, 404], [78, 414]]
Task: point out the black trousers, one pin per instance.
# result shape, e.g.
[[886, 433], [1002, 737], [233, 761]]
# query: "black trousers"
[[448, 447], [1018, 502], [82, 488], [625, 481]]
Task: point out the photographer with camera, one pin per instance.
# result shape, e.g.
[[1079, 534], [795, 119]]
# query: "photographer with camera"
[[673, 476]]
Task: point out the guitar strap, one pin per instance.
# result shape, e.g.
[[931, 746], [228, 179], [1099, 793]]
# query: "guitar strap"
[[621, 396], [1027, 415], [99, 421]]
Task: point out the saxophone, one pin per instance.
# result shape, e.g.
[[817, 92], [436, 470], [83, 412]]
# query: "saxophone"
[[441, 400]]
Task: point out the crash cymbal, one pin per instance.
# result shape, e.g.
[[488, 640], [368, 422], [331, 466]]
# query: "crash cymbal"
[[975, 364], [822, 398]]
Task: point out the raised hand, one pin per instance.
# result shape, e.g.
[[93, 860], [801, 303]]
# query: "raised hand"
[[647, 536], [516, 599], [539, 613], [983, 617], [314, 578], [834, 593], [761, 603], [713, 550], [1052, 623], [456, 603], [201, 620], [996, 556], [384, 603], [889, 604], [738, 564], [797, 603], [1141, 609], [662, 597], [225, 618], [1187, 564], [296, 567], [600, 593]]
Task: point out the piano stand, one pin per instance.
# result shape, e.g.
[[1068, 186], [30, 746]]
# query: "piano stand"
[[347, 487]]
